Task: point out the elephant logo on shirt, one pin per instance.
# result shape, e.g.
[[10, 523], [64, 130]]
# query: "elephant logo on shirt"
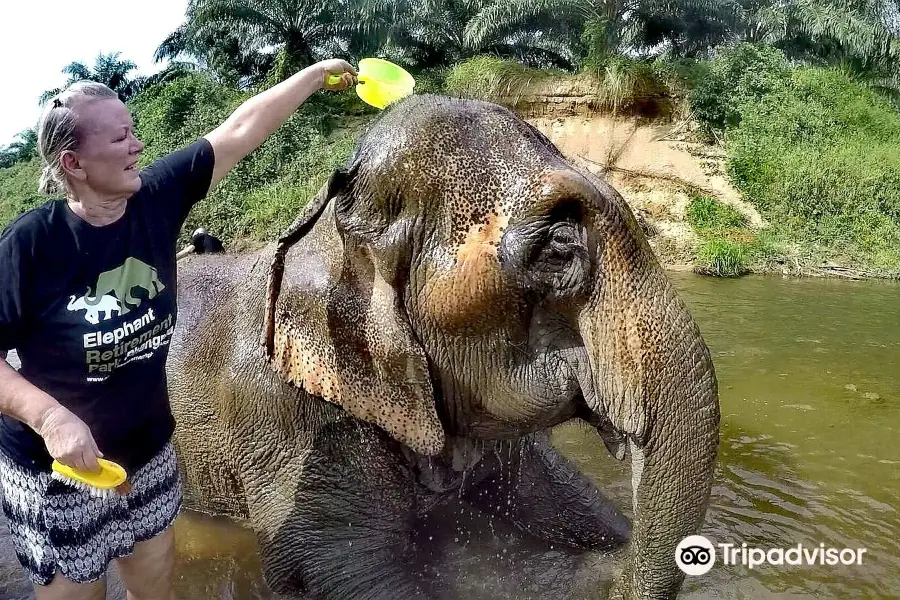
[[120, 283], [106, 305]]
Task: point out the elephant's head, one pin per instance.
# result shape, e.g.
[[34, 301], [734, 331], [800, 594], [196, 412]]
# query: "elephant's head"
[[460, 277]]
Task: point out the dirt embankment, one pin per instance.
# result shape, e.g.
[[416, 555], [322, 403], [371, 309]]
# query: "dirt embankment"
[[654, 169], [647, 154]]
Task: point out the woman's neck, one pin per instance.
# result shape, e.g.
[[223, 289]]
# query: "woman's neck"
[[99, 211]]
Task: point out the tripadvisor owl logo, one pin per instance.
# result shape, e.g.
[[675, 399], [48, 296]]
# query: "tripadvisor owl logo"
[[695, 555]]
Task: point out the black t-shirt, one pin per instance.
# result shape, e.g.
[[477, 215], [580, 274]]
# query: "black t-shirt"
[[91, 311]]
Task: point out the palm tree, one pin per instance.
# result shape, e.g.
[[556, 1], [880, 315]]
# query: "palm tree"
[[862, 36], [861, 31], [430, 33], [22, 149], [613, 27], [108, 70], [300, 32], [217, 49]]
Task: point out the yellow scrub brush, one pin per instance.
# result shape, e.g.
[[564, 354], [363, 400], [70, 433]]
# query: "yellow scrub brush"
[[111, 478]]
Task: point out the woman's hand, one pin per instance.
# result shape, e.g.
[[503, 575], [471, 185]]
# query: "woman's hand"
[[336, 66], [69, 440]]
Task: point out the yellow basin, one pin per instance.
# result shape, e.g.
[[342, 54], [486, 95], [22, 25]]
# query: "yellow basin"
[[380, 82]]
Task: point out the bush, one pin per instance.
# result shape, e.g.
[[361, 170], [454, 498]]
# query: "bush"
[[727, 246], [740, 76], [171, 115], [19, 190], [721, 258], [490, 78], [821, 159], [264, 192]]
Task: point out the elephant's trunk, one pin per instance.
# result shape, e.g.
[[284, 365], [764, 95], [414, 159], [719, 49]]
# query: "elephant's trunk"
[[656, 393]]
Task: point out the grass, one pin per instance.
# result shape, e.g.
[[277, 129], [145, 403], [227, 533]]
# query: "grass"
[[614, 83], [623, 82], [705, 212], [728, 247], [720, 257], [491, 78]]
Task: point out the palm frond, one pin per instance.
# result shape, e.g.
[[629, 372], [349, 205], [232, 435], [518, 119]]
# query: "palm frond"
[[76, 70], [249, 14], [49, 94], [502, 17], [174, 44]]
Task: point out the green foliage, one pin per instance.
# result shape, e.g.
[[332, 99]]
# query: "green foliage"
[[727, 246], [620, 80], [489, 78], [623, 80], [682, 28], [19, 190], [720, 257], [861, 34], [426, 34], [264, 192], [705, 212], [22, 149], [741, 75], [109, 70], [821, 158], [169, 116], [431, 81]]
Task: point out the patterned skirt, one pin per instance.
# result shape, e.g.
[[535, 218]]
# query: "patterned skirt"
[[57, 528]]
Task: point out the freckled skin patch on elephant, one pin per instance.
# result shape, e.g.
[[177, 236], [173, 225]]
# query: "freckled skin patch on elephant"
[[473, 293], [306, 365], [356, 352]]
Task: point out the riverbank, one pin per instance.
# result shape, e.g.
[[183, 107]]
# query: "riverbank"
[[663, 171]]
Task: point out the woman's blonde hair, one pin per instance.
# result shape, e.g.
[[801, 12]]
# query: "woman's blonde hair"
[[58, 130]]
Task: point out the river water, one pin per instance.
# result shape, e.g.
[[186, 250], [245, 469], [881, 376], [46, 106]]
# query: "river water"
[[809, 375]]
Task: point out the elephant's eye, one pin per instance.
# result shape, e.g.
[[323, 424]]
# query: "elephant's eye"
[[563, 234], [549, 255], [563, 237]]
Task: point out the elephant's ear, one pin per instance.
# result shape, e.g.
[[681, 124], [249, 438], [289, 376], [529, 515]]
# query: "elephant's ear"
[[336, 326]]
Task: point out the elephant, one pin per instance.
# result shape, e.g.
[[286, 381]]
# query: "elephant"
[[94, 306], [122, 280], [456, 287]]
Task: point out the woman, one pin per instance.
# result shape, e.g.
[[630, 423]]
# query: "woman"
[[87, 297]]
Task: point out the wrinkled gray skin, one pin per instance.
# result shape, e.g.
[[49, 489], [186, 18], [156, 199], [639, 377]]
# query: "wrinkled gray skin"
[[458, 286]]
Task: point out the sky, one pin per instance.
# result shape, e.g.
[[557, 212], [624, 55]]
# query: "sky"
[[39, 37]]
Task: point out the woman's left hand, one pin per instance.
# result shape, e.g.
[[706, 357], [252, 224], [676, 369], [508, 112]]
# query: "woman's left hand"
[[336, 66]]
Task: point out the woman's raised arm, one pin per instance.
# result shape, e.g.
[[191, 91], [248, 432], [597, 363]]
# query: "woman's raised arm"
[[258, 118]]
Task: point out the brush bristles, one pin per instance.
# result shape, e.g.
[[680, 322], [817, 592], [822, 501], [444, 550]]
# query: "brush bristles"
[[93, 491]]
